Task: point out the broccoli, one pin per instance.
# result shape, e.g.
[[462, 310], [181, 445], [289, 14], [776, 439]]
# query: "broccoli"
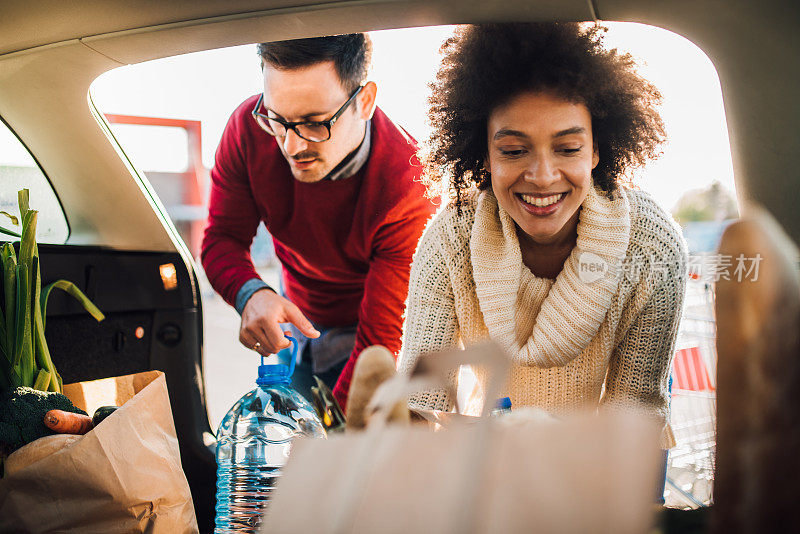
[[22, 412]]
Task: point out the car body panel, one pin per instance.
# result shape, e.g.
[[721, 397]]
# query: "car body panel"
[[50, 52]]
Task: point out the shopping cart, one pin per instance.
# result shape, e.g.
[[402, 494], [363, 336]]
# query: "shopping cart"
[[690, 468]]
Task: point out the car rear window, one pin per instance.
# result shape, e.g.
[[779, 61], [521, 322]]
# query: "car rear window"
[[19, 170]]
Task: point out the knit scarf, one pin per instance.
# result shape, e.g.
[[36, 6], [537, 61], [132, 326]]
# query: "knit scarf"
[[576, 305]]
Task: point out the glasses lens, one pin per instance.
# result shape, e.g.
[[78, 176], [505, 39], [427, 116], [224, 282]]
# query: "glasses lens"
[[313, 132], [265, 124], [276, 128]]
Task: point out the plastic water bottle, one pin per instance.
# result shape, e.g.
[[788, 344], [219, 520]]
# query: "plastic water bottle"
[[253, 444], [502, 407]]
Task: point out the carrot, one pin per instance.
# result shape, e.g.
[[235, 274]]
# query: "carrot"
[[67, 422]]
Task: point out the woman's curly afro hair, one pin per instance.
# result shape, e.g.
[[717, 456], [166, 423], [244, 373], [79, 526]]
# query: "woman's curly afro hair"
[[485, 65]]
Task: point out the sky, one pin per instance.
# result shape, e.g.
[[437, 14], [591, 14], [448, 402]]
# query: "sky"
[[208, 86]]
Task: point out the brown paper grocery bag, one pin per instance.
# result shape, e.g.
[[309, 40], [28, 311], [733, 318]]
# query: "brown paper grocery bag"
[[584, 474], [123, 476]]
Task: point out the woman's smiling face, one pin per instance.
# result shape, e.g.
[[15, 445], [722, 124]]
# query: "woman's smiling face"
[[541, 155]]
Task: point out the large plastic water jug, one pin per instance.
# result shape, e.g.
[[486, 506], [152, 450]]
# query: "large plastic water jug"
[[254, 441]]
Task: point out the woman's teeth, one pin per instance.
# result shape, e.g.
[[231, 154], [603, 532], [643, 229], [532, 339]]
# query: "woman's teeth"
[[542, 202]]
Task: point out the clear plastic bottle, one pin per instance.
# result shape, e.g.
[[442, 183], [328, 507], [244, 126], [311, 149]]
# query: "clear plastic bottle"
[[502, 407], [253, 443]]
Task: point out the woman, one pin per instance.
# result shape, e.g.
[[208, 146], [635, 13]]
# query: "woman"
[[543, 249]]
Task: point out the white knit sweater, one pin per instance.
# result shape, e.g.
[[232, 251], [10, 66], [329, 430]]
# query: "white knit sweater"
[[576, 342]]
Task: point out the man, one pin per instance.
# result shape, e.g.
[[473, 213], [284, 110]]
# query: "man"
[[337, 185]]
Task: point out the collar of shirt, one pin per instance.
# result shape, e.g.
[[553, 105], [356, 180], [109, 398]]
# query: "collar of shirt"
[[355, 160]]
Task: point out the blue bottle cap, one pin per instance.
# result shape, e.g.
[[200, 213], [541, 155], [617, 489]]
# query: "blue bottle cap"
[[269, 375], [504, 403]]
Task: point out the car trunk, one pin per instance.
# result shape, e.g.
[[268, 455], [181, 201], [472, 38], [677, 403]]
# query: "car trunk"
[[152, 322]]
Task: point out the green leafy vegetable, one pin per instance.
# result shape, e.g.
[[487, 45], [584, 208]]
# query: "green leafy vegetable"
[[22, 412], [24, 356]]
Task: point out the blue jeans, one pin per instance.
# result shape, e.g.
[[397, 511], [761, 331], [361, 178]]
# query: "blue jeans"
[[315, 356], [303, 377]]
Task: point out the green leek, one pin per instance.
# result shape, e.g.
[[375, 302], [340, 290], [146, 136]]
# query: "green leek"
[[24, 356]]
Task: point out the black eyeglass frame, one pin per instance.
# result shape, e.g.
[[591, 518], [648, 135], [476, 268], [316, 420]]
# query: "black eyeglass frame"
[[328, 124]]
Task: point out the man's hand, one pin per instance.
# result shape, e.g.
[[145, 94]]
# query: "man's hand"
[[261, 318]]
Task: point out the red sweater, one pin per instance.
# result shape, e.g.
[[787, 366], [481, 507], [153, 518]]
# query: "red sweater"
[[345, 245]]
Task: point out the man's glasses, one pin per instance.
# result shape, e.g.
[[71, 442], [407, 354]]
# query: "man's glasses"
[[315, 132]]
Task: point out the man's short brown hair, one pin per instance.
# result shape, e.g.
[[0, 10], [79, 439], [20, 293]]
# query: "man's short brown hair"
[[351, 55]]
